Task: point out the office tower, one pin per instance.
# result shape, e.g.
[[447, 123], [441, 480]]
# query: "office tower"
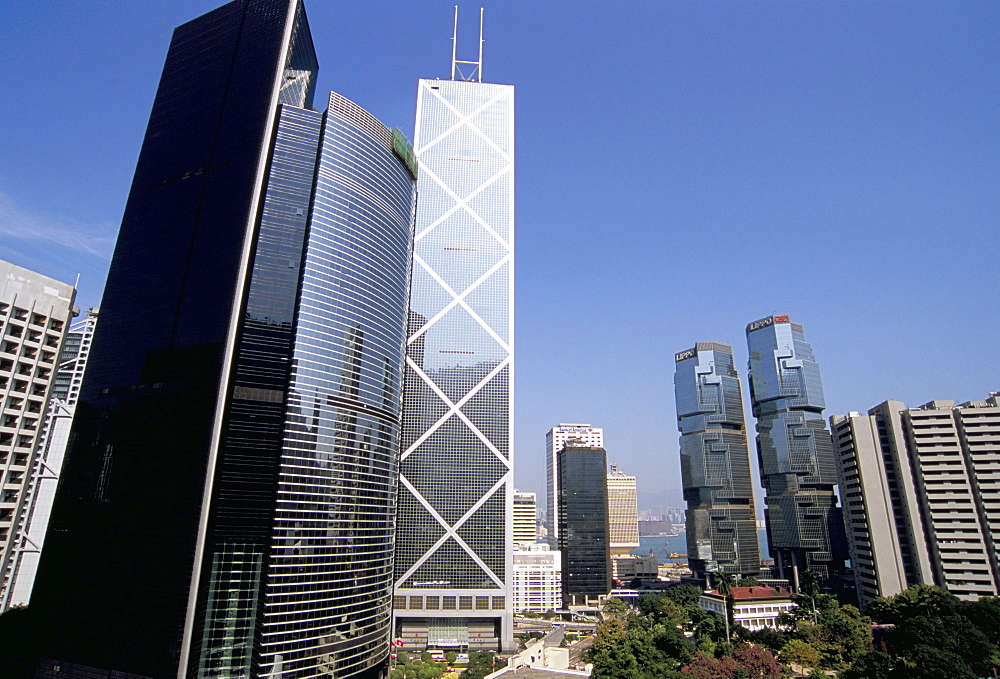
[[932, 515], [536, 582], [525, 519], [584, 536], [804, 524], [555, 439], [227, 500], [623, 513], [35, 311], [28, 534], [715, 463], [453, 556]]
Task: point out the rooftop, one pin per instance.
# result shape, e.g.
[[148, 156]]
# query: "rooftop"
[[756, 592]]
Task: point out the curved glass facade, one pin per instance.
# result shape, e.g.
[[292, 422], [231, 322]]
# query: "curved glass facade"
[[804, 524], [327, 606], [229, 504], [715, 463]]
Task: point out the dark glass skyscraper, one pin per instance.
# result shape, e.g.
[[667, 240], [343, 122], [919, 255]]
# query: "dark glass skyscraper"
[[715, 463], [228, 501], [584, 527], [805, 528]]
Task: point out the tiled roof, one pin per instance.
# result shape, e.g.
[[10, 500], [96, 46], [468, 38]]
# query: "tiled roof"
[[756, 592]]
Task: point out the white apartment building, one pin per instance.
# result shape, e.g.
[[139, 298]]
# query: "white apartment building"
[[525, 517], [555, 440], [29, 531], [536, 583], [34, 316], [921, 491]]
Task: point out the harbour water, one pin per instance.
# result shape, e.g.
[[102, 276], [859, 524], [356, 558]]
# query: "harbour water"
[[663, 546]]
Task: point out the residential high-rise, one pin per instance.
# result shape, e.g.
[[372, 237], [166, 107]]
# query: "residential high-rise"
[[715, 463], [28, 533], [882, 518], [922, 496], [623, 513], [805, 528], [453, 556], [525, 518], [555, 439], [584, 535], [228, 498], [35, 312]]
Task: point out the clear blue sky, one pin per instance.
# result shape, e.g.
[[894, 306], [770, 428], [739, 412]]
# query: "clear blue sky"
[[683, 168]]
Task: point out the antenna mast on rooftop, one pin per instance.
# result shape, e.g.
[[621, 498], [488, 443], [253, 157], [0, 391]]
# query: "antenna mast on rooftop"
[[476, 74]]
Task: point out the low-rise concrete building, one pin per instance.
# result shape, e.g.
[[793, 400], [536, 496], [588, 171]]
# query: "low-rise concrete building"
[[755, 608]]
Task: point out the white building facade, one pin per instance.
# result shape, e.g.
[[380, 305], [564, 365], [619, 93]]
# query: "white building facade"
[[537, 579], [455, 533], [35, 312], [623, 513], [525, 517], [921, 493]]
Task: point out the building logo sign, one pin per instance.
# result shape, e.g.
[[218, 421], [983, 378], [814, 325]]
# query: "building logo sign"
[[769, 321], [684, 355]]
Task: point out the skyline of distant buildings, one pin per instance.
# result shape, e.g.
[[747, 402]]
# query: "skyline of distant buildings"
[[293, 443]]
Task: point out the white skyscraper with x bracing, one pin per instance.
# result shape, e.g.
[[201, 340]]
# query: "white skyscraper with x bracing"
[[453, 559]]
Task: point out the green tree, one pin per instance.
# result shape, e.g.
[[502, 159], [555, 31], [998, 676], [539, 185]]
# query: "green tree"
[[402, 657], [662, 608], [924, 600], [482, 663], [810, 585], [684, 595], [724, 583], [614, 606], [871, 665], [773, 639], [451, 657], [798, 652], [843, 636]]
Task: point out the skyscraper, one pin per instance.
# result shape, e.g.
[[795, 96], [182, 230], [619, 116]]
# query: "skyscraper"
[[525, 518], [805, 527], [555, 439], [623, 513], [715, 463], [921, 494], [584, 535], [228, 496], [453, 558], [35, 311], [28, 532]]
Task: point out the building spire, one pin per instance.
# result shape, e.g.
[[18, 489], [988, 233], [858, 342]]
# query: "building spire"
[[476, 73]]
